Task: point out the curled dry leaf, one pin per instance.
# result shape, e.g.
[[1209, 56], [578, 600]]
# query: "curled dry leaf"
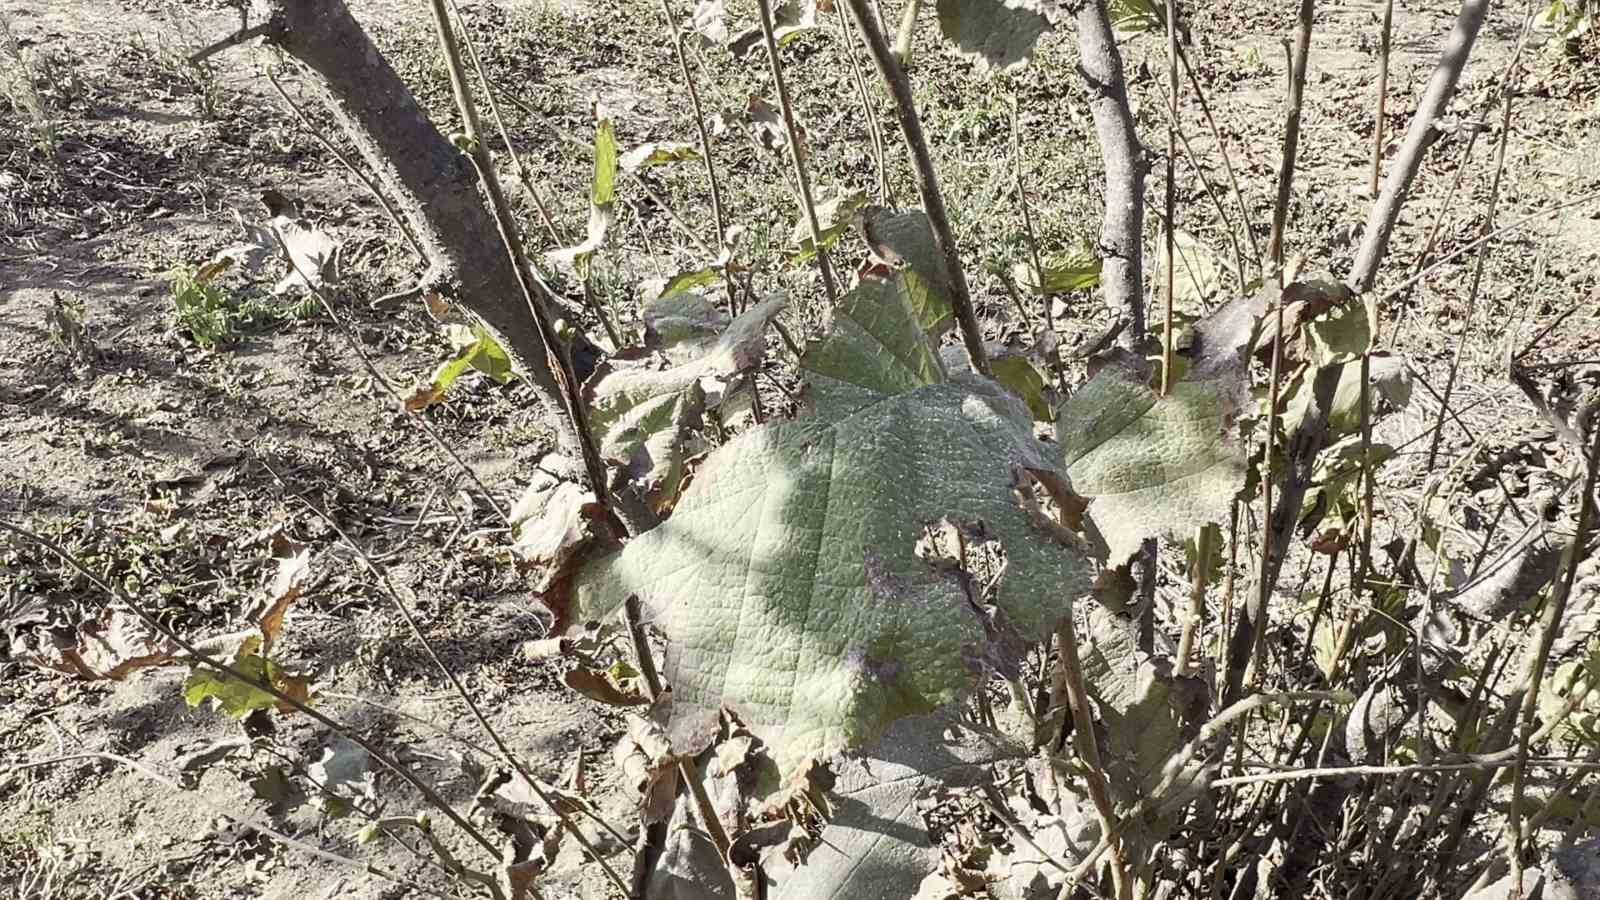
[[596, 686], [111, 646], [644, 416], [649, 768]]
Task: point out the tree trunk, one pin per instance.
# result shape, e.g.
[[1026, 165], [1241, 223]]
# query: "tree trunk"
[[433, 184]]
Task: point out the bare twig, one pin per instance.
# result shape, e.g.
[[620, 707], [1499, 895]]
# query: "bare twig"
[[1384, 38], [1222, 151], [1169, 269], [927, 184], [1083, 738], [1477, 277], [521, 171], [677, 37], [880, 156], [797, 152], [1554, 611], [1291, 135], [232, 40], [1386, 211]]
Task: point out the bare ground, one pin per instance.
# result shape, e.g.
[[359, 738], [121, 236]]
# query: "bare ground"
[[148, 456]]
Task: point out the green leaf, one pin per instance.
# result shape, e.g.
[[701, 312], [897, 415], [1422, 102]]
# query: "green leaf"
[[1013, 370], [237, 698], [996, 34], [835, 209], [1063, 273], [644, 416], [1136, 16], [904, 239], [648, 156], [475, 349], [1151, 466], [603, 188], [685, 281], [1391, 385], [788, 580], [1198, 274]]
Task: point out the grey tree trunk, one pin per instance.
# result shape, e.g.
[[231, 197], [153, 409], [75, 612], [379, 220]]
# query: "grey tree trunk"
[[432, 183]]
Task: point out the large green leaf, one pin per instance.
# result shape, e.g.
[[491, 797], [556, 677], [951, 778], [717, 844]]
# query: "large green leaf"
[[788, 580], [1150, 465], [998, 34]]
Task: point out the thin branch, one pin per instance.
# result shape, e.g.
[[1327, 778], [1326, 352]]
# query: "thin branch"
[[232, 40], [1471, 317], [927, 184], [880, 155], [797, 152], [1222, 151], [687, 74], [1459, 252], [1385, 37], [1291, 135], [1386, 211], [1169, 226], [1083, 738], [505, 138], [1554, 611]]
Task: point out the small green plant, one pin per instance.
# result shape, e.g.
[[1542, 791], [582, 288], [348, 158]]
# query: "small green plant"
[[204, 310]]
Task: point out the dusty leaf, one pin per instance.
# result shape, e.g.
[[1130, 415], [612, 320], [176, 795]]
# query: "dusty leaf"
[[343, 777], [555, 522], [644, 416], [997, 34], [875, 843], [1148, 713], [788, 580], [1150, 466]]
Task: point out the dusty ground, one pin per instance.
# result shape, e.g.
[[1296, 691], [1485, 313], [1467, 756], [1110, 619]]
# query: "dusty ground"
[[147, 456]]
